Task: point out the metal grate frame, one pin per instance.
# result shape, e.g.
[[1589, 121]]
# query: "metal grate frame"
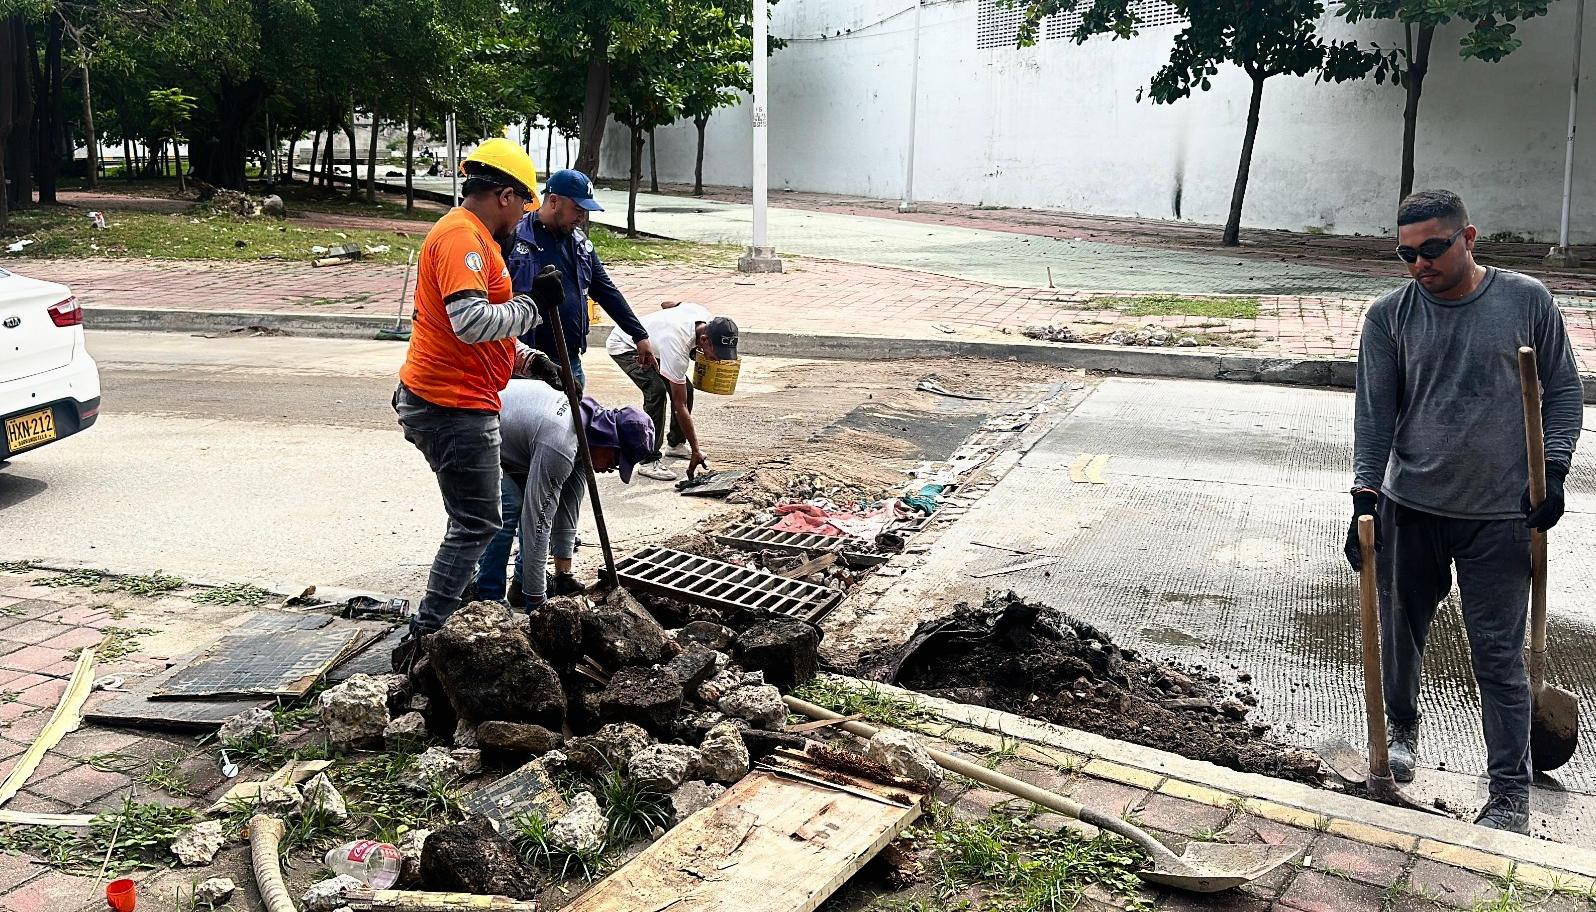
[[701, 581], [1152, 13]]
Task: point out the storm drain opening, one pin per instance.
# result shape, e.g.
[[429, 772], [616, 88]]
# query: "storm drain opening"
[[727, 587], [751, 536]]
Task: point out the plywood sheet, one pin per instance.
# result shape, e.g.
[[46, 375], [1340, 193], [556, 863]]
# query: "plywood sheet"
[[273, 654]]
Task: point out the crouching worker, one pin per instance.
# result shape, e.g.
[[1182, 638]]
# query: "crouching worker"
[[544, 482]]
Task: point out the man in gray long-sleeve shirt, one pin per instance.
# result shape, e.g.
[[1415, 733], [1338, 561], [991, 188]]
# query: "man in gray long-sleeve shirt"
[[1441, 465]]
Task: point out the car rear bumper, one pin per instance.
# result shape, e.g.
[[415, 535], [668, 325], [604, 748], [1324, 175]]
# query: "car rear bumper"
[[71, 392]]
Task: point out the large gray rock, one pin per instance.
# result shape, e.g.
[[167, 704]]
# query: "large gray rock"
[[786, 650], [660, 768], [246, 725], [723, 755], [693, 797], [472, 857], [607, 750], [322, 797], [620, 633], [706, 633], [435, 764], [905, 755], [643, 697], [760, 705], [581, 828], [214, 892], [485, 663], [199, 844], [408, 732], [356, 711], [410, 845], [329, 895], [695, 665], [272, 207]]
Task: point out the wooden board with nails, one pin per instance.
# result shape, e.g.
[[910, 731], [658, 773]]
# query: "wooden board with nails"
[[771, 843]]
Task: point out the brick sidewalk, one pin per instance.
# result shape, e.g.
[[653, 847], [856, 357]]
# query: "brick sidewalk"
[[817, 296]]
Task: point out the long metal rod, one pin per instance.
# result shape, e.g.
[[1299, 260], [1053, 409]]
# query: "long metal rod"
[[914, 96], [1573, 112], [563, 355]]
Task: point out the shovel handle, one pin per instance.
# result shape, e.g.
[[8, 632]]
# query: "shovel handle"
[[1369, 633], [1535, 447]]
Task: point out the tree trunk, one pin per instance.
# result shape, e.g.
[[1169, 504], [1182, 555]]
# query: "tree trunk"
[[595, 105], [698, 160], [653, 164], [293, 149], [410, 156], [91, 139], [20, 151], [567, 151], [315, 156], [637, 175], [1232, 236], [218, 144], [8, 93], [1418, 67], [371, 155], [548, 154], [327, 154], [177, 160], [49, 138], [354, 153], [127, 158]]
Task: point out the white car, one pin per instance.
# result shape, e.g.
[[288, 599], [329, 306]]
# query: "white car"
[[49, 386]]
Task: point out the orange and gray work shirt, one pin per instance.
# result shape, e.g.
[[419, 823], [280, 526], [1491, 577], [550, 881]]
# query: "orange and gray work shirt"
[[463, 335]]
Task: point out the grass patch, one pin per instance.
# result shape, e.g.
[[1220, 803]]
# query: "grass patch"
[[67, 233], [147, 585], [235, 594], [873, 703], [531, 836], [385, 800], [136, 836], [632, 811], [18, 566], [615, 247], [300, 198], [1024, 869], [1179, 306], [119, 642]]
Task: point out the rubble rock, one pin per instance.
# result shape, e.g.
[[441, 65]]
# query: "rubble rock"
[[580, 829], [409, 731], [643, 697], [786, 650], [272, 207], [691, 798], [1187, 342], [199, 844], [609, 749], [469, 760], [517, 738], [285, 800], [214, 892], [762, 744], [356, 711], [1234, 709], [760, 705], [619, 637], [905, 755], [419, 703], [329, 895], [435, 764], [465, 734], [724, 682], [321, 796], [695, 665], [486, 665], [660, 768], [410, 845], [556, 628], [724, 756], [246, 725], [707, 634], [472, 857]]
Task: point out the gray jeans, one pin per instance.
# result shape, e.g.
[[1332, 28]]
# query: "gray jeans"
[[462, 448], [656, 398], [1493, 577]]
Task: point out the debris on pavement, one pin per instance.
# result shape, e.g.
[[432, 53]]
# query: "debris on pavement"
[[214, 892], [329, 895], [581, 829], [424, 901], [904, 755], [473, 857], [356, 711], [199, 844]]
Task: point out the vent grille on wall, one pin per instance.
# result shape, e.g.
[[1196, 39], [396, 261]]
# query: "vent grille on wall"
[[1153, 14], [997, 25]]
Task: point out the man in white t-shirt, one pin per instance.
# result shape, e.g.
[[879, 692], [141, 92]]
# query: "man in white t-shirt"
[[676, 331]]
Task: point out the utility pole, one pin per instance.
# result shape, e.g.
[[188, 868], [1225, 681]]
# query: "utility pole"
[[1563, 253], [914, 96], [454, 160], [760, 256]]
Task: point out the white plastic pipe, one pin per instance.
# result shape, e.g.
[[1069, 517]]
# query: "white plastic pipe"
[[914, 96]]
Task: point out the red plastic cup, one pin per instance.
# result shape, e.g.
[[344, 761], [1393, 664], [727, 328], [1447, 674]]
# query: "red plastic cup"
[[121, 895]]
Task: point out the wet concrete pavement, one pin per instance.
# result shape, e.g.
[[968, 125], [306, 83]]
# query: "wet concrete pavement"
[[1203, 522]]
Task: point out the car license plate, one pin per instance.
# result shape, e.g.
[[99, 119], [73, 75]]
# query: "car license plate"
[[30, 430]]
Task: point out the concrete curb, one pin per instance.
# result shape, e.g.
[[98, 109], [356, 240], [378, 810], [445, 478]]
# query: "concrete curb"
[[1109, 359], [1442, 839]]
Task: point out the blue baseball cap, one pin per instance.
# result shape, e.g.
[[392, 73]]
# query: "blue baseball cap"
[[627, 429], [574, 186]]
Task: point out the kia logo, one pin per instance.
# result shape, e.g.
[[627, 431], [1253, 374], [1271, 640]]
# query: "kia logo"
[[13, 322]]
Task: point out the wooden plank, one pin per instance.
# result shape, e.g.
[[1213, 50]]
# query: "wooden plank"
[[769, 844]]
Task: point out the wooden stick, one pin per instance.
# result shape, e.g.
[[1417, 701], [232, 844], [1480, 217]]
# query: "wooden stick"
[[1535, 446]]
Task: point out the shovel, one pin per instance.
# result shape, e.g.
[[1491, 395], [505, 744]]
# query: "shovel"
[[1380, 783], [1554, 719], [1205, 867]]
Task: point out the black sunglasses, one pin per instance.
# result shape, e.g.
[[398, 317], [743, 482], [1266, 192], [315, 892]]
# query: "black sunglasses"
[[1430, 250]]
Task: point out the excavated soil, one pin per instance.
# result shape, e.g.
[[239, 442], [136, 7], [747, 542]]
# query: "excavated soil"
[[1034, 661]]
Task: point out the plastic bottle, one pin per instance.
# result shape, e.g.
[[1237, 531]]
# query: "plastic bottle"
[[376, 864]]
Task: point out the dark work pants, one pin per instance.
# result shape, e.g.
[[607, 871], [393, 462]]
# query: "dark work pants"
[[462, 448], [656, 399], [1493, 576]]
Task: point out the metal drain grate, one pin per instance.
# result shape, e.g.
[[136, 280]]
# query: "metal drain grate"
[[750, 536], [701, 581]]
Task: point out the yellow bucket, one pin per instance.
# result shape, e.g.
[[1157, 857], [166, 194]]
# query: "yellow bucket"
[[595, 313], [717, 377]]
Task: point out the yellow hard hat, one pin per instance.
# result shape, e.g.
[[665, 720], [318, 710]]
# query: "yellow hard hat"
[[507, 156]]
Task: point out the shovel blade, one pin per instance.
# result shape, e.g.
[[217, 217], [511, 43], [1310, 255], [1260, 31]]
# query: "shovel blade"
[[1344, 760], [1554, 728], [1209, 867]]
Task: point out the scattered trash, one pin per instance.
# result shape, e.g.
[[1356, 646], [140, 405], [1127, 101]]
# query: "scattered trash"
[[214, 892], [377, 249], [109, 682], [364, 606], [97, 220], [229, 769], [1051, 334], [329, 895], [934, 385], [712, 484], [374, 864], [19, 246], [121, 895]]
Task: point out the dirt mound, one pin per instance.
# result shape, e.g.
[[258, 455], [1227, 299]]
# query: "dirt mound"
[[1035, 661]]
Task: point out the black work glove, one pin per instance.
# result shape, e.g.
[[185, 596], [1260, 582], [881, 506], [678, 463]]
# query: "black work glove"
[[542, 367], [1363, 504], [547, 289], [1550, 511]]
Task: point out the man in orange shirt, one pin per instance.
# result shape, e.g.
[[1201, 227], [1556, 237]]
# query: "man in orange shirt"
[[463, 351]]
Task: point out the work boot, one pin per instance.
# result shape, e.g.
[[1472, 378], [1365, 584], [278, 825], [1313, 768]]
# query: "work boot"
[[562, 584], [408, 650], [678, 451], [1402, 742], [513, 595], [1505, 812]]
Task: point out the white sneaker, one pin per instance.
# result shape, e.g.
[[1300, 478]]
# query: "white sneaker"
[[656, 471], [679, 451]]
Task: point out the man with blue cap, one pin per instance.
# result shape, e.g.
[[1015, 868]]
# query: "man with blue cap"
[[552, 235]]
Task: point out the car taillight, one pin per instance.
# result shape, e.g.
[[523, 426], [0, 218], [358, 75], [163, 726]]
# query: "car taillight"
[[67, 313]]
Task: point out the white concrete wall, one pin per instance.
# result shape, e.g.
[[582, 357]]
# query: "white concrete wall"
[[1058, 126]]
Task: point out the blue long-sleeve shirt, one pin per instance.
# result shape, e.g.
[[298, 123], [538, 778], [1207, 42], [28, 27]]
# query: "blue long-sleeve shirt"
[[535, 246]]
